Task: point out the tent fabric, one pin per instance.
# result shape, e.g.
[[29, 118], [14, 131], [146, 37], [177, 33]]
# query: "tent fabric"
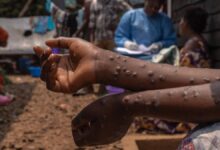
[[17, 42]]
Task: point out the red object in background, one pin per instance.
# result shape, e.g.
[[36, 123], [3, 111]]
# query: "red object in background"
[[3, 35], [1, 83], [1, 80]]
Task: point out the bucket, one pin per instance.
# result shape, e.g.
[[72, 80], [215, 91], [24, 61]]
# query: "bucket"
[[24, 64], [35, 71]]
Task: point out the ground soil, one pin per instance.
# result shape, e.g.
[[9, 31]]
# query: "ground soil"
[[40, 119]]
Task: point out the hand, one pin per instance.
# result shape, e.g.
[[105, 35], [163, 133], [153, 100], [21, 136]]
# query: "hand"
[[131, 45], [155, 47], [102, 122], [70, 72]]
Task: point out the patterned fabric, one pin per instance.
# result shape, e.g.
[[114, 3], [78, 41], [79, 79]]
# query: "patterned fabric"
[[168, 55], [104, 17], [197, 58], [203, 138]]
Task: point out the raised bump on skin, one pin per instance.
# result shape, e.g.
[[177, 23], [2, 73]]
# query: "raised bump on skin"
[[192, 81], [128, 73], [118, 68], [162, 78], [150, 73], [111, 58], [134, 74]]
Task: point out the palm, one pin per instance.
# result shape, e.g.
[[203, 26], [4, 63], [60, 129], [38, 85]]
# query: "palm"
[[102, 122], [68, 73]]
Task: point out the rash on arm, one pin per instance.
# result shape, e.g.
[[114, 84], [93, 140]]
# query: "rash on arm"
[[197, 104], [136, 75]]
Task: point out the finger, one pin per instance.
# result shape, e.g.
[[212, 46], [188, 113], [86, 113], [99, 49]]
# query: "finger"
[[45, 55], [61, 42], [62, 75], [42, 53], [47, 66], [52, 83], [38, 51]]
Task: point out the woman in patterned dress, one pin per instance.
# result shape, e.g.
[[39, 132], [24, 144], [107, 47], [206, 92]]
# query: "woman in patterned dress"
[[195, 51]]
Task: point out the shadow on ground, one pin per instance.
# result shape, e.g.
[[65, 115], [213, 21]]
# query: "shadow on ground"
[[9, 114]]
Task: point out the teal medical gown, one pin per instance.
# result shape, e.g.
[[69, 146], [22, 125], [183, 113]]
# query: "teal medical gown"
[[135, 25]]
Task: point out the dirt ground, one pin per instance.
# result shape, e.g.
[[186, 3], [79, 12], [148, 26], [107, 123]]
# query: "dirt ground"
[[40, 119]]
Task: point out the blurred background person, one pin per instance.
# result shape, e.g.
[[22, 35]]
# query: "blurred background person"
[[136, 3], [83, 29], [147, 27], [104, 18], [195, 52]]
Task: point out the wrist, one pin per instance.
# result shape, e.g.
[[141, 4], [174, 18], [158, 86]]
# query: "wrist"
[[103, 66]]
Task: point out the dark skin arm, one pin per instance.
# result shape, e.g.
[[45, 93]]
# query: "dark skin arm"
[[87, 64], [114, 114]]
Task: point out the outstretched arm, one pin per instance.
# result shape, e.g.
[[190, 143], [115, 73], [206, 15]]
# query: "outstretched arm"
[[197, 104], [107, 119], [87, 64], [137, 75]]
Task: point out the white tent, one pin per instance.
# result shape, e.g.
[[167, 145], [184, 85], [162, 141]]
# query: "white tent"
[[17, 43]]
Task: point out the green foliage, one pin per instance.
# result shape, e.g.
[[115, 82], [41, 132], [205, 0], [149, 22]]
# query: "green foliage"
[[12, 8]]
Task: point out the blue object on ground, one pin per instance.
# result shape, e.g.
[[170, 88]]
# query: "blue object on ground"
[[24, 64], [35, 71]]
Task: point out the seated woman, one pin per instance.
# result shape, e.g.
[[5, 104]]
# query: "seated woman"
[[195, 51]]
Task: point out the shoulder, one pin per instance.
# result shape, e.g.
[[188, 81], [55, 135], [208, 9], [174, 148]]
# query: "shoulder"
[[133, 12]]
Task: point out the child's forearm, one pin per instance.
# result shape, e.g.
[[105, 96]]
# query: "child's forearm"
[[188, 104], [136, 75]]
